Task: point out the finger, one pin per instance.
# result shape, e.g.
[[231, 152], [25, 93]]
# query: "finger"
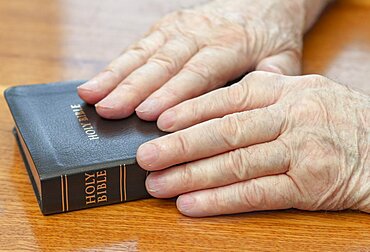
[[287, 63], [163, 65], [266, 193], [212, 137], [224, 169], [208, 69], [256, 90], [102, 84]]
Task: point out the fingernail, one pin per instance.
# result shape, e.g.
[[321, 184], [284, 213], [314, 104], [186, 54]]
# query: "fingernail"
[[95, 83], [185, 203], [148, 153], [167, 120], [155, 183], [148, 106], [90, 85], [105, 104]]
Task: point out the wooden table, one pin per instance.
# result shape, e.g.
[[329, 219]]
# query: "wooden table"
[[45, 41]]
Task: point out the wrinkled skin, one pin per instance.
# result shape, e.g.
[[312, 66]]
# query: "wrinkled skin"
[[268, 142], [190, 52]]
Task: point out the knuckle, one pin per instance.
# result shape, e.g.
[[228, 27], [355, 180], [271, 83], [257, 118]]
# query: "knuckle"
[[309, 107], [183, 145], [238, 165], [271, 114], [229, 130], [259, 77], [276, 116], [196, 111], [187, 177], [236, 97], [141, 45], [255, 76], [219, 200], [252, 195], [167, 63], [167, 91], [202, 70], [112, 69], [285, 148], [130, 87], [316, 80]]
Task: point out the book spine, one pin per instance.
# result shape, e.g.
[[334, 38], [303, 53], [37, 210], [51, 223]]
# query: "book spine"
[[93, 188]]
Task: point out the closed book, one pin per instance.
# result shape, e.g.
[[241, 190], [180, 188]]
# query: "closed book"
[[75, 158]]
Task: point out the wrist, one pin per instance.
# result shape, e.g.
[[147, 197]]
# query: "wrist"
[[286, 13], [313, 9]]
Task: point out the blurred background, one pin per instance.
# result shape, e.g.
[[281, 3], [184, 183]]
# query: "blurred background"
[[46, 41]]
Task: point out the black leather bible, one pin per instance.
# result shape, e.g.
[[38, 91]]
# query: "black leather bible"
[[75, 158]]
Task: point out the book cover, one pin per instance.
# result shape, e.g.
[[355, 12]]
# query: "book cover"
[[75, 158]]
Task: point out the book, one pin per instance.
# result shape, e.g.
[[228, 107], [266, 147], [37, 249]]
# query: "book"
[[75, 158]]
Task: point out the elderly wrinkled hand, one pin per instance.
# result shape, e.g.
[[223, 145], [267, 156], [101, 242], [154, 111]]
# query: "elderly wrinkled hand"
[[190, 52], [267, 142]]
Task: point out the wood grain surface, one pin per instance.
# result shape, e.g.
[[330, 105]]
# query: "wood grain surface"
[[44, 41]]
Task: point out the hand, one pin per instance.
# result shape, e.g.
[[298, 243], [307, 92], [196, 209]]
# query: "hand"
[[191, 52], [303, 144]]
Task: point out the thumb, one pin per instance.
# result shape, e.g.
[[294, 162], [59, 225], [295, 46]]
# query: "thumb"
[[287, 63]]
